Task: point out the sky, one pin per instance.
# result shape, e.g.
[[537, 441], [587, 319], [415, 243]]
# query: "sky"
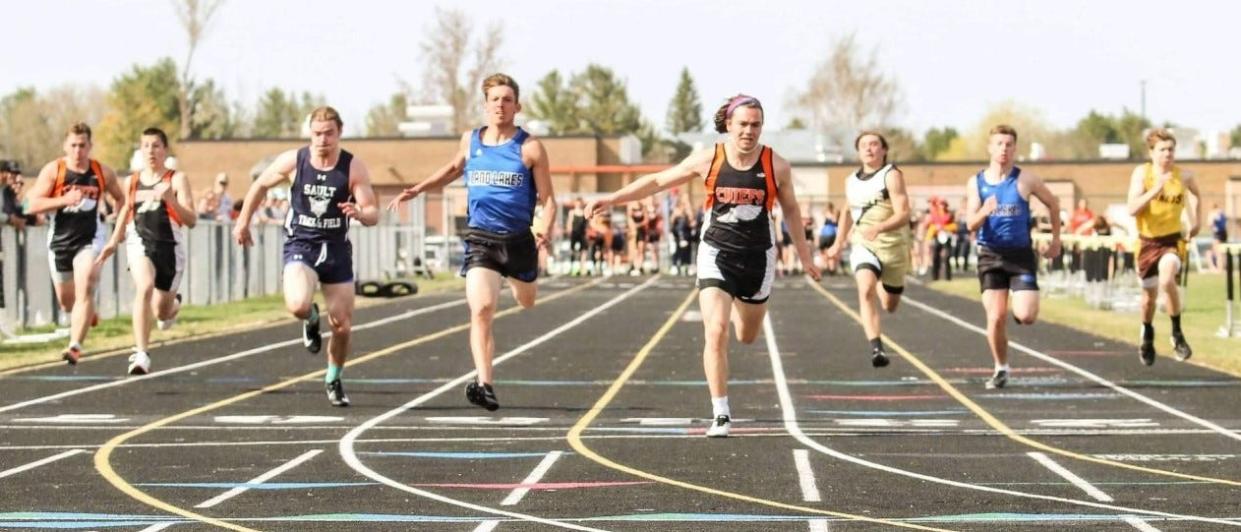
[[950, 58]]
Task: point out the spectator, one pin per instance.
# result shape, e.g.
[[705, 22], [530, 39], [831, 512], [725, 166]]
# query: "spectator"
[[209, 206], [10, 205], [1082, 217], [1219, 237], [225, 209]]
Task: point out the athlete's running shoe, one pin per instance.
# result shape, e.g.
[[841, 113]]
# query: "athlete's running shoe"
[[482, 395], [71, 355], [336, 394], [164, 325], [879, 357], [1146, 352], [1183, 352], [719, 427], [310, 330], [998, 380], [139, 363]]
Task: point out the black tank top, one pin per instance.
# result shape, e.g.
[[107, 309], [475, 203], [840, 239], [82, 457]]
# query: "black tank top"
[[314, 210], [739, 203], [578, 222], [75, 226], [153, 218]]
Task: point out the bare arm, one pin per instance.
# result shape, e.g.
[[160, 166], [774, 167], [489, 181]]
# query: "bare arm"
[[792, 214], [113, 186], [1139, 199], [1039, 190], [541, 168], [118, 234], [441, 177], [39, 198], [1192, 202], [975, 211], [184, 204], [696, 165], [364, 208], [279, 171]]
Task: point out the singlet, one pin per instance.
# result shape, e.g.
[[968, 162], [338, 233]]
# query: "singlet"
[[739, 203], [154, 219], [75, 226], [500, 187], [829, 228], [315, 198], [870, 203], [1162, 216], [1008, 226], [577, 222]]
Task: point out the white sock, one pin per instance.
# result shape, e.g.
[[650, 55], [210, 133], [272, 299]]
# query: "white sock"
[[1001, 367], [719, 406], [73, 345]]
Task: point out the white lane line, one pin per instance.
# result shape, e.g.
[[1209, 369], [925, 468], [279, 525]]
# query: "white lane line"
[[809, 488], [805, 476], [259, 480], [789, 415], [1138, 523], [487, 526], [156, 527], [347, 443], [38, 463], [213, 361], [1088, 375], [1070, 476], [533, 478]]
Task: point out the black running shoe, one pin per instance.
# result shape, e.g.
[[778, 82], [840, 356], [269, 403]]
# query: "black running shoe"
[[310, 331], [878, 357], [482, 395], [1147, 352], [1183, 352], [336, 394], [998, 380]]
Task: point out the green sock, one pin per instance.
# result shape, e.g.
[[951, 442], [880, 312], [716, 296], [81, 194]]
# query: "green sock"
[[333, 372]]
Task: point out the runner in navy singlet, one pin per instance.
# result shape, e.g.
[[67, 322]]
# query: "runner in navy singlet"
[[158, 205], [72, 188], [506, 174], [330, 187], [737, 256], [998, 207]]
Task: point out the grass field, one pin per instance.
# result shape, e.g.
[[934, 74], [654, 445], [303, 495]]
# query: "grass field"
[[117, 333], [1202, 317]]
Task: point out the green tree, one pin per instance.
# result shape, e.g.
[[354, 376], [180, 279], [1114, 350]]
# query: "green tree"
[[384, 120], [937, 141], [282, 115], [604, 106], [32, 123], [1234, 137], [685, 109], [1131, 127], [903, 146], [214, 117], [795, 123], [554, 104], [146, 96]]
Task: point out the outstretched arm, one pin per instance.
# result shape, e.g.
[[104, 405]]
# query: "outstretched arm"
[[441, 177], [696, 165]]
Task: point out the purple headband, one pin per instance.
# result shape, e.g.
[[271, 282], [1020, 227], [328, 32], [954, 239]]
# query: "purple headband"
[[739, 101]]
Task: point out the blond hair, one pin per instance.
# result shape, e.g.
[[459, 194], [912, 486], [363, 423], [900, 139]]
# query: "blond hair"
[[501, 80], [327, 114], [1157, 135]]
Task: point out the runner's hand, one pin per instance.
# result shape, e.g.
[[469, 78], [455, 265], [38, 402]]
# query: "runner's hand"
[[833, 251], [350, 210], [405, 195], [811, 269], [241, 233], [871, 233], [596, 207], [541, 241], [164, 191], [989, 206], [72, 197], [1053, 249], [105, 254]]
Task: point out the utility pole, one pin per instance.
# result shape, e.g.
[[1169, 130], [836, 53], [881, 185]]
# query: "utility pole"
[[1142, 84]]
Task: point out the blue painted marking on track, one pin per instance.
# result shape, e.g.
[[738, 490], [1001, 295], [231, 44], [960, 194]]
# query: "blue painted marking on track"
[[457, 455], [263, 486], [889, 413]]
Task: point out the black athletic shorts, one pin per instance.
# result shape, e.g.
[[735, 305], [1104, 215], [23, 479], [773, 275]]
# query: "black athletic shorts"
[[514, 255], [1007, 269]]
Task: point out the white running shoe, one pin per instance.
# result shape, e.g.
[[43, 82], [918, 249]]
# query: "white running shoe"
[[719, 427], [164, 325], [139, 363]]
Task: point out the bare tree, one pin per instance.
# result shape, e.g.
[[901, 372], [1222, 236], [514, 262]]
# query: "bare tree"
[[849, 92], [446, 50], [195, 16]]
